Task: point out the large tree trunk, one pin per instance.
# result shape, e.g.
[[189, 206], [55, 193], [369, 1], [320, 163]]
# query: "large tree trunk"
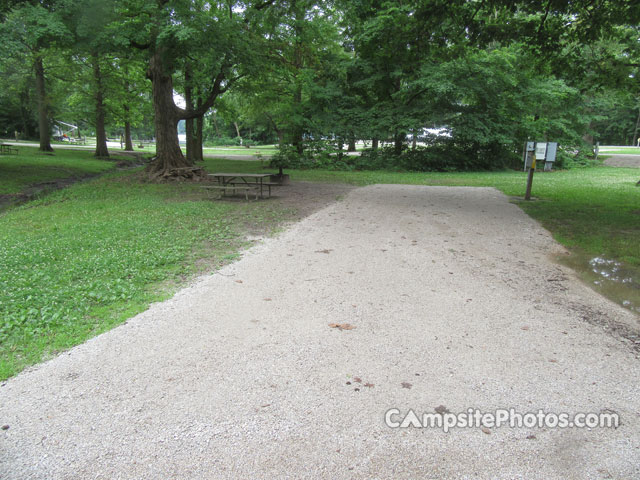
[[43, 107], [197, 152], [189, 128], [128, 143], [374, 143], [352, 143], [101, 136], [398, 141], [191, 140], [634, 142], [168, 153]]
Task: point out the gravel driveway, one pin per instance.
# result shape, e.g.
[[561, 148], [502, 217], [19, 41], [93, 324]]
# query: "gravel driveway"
[[455, 303]]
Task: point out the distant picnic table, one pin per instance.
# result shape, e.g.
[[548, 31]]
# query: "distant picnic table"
[[7, 149], [245, 182]]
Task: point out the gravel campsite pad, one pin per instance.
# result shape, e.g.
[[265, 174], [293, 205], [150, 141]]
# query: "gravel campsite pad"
[[283, 364]]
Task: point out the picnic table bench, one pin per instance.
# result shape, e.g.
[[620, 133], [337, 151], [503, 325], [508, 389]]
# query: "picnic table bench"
[[8, 149], [243, 182]]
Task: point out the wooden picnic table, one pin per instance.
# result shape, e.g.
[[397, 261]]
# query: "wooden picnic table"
[[6, 148], [246, 180]]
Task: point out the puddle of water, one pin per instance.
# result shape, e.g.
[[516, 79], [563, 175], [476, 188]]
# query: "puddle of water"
[[613, 279]]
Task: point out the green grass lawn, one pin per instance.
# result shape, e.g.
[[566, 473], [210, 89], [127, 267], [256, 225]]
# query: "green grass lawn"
[[620, 151], [30, 167], [81, 260]]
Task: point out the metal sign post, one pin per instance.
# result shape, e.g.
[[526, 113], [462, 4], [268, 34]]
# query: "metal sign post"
[[534, 151], [531, 161]]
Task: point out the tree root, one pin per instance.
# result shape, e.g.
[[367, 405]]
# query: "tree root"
[[179, 174]]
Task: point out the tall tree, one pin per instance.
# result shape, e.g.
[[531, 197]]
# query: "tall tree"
[[33, 31], [166, 31], [301, 43]]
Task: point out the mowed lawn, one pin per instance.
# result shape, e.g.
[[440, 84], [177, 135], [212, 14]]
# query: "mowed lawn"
[[80, 260], [620, 151]]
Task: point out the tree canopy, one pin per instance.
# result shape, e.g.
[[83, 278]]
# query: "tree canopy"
[[317, 76]]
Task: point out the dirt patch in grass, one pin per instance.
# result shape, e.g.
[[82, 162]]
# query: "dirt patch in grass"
[[36, 189], [291, 203], [260, 219], [306, 198]]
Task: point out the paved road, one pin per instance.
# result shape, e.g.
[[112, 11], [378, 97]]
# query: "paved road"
[[455, 304]]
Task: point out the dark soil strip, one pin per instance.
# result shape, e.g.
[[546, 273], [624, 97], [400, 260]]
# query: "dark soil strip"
[[10, 200]]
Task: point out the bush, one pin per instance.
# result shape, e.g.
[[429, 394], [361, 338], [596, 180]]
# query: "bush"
[[442, 155], [288, 157], [566, 158]]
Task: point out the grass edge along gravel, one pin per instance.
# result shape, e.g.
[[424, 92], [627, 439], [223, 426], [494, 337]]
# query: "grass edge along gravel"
[[84, 259]]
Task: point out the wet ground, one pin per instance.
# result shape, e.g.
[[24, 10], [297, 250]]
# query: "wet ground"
[[611, 278]]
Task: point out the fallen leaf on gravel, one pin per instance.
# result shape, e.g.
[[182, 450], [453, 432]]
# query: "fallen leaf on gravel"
[[406, 385], [348, 383], [5, 427], [531, 437], [357, 379], [342, 326], [357, 389], [238, 281], [553, 360], [486, 430], [524, 328], [326, 250], [369, 385], [265, 405], [441, 409], [267, 299]]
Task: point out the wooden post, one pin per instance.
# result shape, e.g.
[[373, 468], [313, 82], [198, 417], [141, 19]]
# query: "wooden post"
[[532, 169]]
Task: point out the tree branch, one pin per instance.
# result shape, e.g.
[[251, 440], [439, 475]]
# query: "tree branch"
[[216, 91], [139, 46]]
